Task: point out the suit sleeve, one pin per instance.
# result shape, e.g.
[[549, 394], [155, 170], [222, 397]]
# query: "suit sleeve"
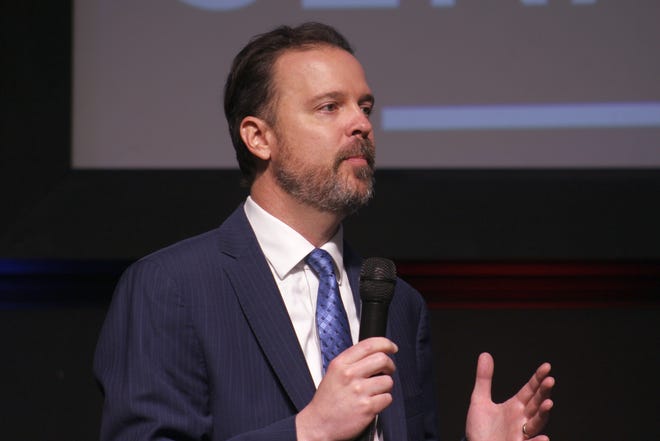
[[149, 364]]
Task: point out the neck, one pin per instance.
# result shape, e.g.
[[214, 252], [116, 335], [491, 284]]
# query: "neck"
[[316, 226]]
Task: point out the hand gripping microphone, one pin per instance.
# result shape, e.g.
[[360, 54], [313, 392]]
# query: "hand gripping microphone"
[[377, 281]]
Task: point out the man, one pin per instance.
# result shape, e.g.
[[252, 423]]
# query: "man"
[[216, 337]]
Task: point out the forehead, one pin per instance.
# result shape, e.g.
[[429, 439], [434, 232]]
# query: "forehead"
[[318, 70]]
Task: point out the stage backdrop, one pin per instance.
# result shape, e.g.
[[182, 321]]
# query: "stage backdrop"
[[457, 83], [505, 129]]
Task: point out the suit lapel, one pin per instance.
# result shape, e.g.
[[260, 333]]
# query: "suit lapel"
[[264, 308], [268, 318]]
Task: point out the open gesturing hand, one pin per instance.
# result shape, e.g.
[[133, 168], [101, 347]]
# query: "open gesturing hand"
[[529, 408]]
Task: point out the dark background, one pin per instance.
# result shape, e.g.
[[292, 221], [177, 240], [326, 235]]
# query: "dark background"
[[80, 228]]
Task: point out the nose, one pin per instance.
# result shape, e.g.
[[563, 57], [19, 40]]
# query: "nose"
[[360, 124]]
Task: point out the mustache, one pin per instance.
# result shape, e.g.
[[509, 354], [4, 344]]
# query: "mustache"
[[362, 147]]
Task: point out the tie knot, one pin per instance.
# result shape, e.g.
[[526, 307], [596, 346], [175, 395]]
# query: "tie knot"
[[321, 262]]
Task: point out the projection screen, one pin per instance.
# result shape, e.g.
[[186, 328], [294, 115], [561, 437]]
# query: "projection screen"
[[458, 84]]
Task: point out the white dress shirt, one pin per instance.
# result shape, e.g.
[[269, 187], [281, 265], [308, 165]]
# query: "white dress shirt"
[[285, 250]]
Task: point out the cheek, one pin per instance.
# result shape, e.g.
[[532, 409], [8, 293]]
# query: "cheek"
[[318, 143], [321, 143]]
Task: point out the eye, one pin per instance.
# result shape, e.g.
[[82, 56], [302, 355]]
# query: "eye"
[[367, 109], [329, 107]]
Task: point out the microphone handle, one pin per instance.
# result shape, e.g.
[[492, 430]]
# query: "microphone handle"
[[373, 323], [373, 320]]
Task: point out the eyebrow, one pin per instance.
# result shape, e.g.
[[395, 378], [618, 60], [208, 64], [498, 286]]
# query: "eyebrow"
[[366, 98]]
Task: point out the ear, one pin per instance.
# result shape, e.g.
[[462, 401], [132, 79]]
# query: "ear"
[[255, 135]]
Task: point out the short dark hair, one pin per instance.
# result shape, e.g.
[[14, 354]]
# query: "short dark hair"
[[249, 88]]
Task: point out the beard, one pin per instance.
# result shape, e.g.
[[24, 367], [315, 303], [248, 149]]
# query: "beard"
[[326, 188]]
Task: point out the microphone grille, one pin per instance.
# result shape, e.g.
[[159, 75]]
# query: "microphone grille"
[[377, 279]]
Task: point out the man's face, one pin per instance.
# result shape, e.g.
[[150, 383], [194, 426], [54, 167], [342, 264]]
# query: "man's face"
[[324, 150]]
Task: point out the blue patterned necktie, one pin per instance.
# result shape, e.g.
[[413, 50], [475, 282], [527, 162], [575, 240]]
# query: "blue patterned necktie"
[[331, 321]]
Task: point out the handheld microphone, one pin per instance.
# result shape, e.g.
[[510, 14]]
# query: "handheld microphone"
[[377, 281]]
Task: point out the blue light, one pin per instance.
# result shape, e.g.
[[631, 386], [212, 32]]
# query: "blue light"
[[508, 117], [349, 4], [443, 3], [534, 2], [218, 5]]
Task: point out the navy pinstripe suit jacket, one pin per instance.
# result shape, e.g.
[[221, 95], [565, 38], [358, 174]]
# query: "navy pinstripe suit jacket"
[[198, 345]]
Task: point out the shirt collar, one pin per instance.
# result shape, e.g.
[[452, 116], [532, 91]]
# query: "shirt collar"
[[283, 246]]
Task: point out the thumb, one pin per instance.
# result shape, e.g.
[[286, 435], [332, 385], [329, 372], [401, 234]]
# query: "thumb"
[[484, 380]]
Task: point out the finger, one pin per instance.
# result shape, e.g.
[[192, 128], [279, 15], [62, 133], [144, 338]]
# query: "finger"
[[375, 364], [543, 393], [378, 363], [536, 423], [380, 402], [378, 385], [484, 379], [526, 393], [366, 348], [376, 393]]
